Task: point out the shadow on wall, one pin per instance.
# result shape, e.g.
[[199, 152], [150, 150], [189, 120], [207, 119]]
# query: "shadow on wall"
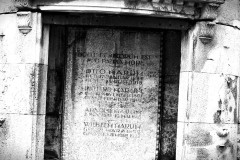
[[50, 155]]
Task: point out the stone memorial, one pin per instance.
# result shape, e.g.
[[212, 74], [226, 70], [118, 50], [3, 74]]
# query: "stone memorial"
[[112, 102]]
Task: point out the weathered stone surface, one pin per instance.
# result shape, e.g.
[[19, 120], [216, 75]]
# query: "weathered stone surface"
[[184, 96], [23, 88], [7, 6], [214, 98], [168, 140], [183, 9], [219, 56], [23, 75], [133, 7], [188, 42], [141, 7], [170, 100], [171, 79], [21, 137], [229, 13], [203, 141], [209, 88], [208, 94], [106, 71], [238, 142], [11, 6], [209, 11], [180, 140], [17, 47]]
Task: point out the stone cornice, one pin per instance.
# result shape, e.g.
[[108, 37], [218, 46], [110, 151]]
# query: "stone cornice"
[[190, 9]]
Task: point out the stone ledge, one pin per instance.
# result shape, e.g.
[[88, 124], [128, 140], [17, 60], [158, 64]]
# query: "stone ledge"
[[179, 8]]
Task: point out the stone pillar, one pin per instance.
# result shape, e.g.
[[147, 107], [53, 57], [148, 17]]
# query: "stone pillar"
[[209, 90], [23, 71]]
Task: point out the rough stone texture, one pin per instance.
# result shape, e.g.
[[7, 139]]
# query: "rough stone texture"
[[209, 90], [133, 7], [18, 48], [213, 99], [21, 137], [229, 13], [87, 102], [137, 7], [170, 69], [10, 6], [208, 115], [168, 140], [197, 141], [7, 6], [169, 119], [170, 93], [219, 56], [181, 8], [170, 103], [22, 90]]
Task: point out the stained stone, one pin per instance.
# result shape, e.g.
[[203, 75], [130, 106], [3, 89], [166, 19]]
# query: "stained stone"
[[112, 85]]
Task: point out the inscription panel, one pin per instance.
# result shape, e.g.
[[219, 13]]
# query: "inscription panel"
[[111, 94]]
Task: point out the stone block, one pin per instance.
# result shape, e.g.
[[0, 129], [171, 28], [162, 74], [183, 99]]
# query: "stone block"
[[220, 56], [229, 12], [185, 84], [22, 137], [188, 42], [7, 6], [23, 88], [16, 47], [206, 141], [180, 140], [208, 98]]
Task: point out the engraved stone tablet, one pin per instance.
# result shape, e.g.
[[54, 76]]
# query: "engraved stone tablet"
[[111, 94]]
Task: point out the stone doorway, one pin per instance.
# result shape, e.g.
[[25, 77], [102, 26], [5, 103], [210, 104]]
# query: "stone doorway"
[[92, 73]]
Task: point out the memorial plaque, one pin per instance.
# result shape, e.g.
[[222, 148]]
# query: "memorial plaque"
[[111, 101]]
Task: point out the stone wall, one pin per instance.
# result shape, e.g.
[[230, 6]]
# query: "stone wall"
[[22, 89], [209, 88], [208, 110]]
